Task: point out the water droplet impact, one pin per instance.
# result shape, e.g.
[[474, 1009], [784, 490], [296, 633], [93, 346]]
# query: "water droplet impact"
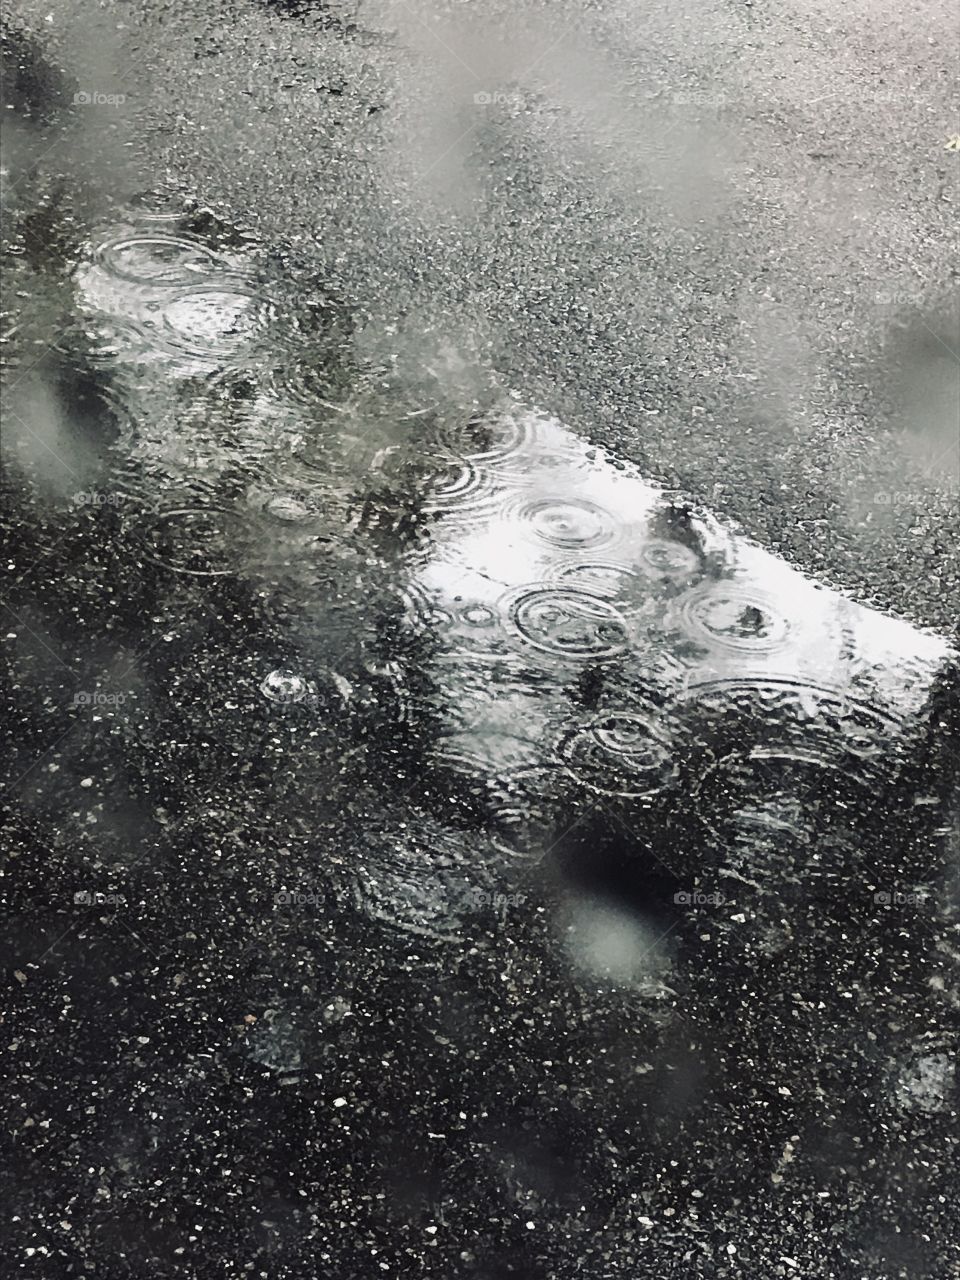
[[212, 324], [284, 686], [157, 260], [290, 508], [570, 624], [479, 615], [421, 609], [662, 559], [785, 757], [619, 753], [734, 618], [192, 540], [568, 522], [427, 884]]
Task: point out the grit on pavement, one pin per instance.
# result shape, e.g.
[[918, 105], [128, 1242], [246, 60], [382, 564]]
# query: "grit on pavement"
[[276, 1007]]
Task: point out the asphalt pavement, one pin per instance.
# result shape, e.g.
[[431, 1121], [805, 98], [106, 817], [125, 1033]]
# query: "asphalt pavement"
[[294, 993]]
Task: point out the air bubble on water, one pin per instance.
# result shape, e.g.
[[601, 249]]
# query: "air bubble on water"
[[284, 686]]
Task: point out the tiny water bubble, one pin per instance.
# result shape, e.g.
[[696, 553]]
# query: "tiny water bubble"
[[284, 686]]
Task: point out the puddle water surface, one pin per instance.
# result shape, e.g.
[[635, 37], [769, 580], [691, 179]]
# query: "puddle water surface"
[[531, 635]]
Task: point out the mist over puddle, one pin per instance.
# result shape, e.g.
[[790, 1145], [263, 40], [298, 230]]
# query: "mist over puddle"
[[561, 632]]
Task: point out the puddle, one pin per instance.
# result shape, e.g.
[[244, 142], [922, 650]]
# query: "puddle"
[[556, 632], [505, 857]]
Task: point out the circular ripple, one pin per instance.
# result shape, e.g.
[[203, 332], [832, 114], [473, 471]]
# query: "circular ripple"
[[458, 487], [211, 323], [768, 710], [192, 540], [521, 814], [570, 623], [501, 439], [511, 797], [427, 888], [661, 558], [619, 753], [603, 578], [157, 260], [402, 900], [773, 796], [571, 523], [421, 610], [780, 749], [734, 618]]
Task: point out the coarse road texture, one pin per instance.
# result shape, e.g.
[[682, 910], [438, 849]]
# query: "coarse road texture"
[[293, 993]]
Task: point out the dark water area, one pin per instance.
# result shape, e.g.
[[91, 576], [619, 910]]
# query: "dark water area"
[[434, 848]]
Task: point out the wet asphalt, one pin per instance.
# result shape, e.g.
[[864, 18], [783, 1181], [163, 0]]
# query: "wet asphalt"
[[316, 968]]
